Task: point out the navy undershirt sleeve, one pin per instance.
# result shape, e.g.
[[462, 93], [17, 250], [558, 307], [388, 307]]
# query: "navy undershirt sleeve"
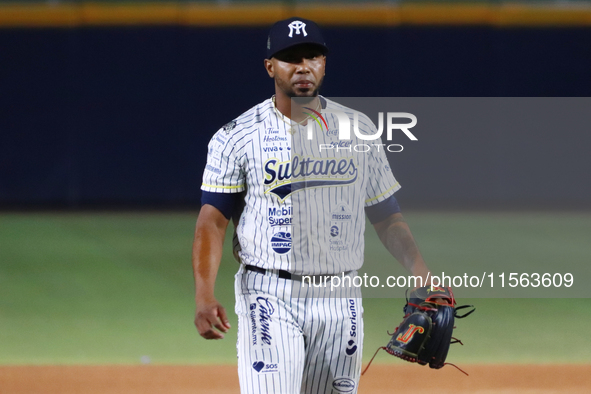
[[380, 211], [224, 202]]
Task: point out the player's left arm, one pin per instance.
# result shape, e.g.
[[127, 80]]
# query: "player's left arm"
[[397, 238], [383, 212]]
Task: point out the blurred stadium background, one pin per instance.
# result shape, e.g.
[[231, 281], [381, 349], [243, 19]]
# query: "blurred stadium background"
[[106, 109], [111, 104]]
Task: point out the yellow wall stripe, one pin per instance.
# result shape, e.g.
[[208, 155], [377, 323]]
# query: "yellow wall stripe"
[[194, 14]]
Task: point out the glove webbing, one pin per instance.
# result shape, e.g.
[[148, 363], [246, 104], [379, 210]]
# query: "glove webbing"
[[410, 358]]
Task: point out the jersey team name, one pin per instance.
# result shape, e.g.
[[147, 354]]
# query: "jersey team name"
[[281, 178]]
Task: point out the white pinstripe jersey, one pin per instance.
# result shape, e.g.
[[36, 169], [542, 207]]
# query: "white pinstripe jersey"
[[304, 206]]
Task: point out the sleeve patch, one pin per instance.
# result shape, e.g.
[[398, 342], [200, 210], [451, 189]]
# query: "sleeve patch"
[[229, 126]]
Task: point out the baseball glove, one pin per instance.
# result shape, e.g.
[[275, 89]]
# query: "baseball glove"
[[425, 334]]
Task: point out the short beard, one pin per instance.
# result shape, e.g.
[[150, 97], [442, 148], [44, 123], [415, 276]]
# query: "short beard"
[[302, 99]]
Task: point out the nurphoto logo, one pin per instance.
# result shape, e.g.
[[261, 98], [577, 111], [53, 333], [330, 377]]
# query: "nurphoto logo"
[[344, 130]]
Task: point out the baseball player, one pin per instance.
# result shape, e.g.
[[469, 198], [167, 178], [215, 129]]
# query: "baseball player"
[[300, 205]]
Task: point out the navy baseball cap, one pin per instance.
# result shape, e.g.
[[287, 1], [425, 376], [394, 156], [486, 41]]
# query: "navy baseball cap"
[[293, 31]]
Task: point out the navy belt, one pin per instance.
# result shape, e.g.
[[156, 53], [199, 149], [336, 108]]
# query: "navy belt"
[[281, 273]]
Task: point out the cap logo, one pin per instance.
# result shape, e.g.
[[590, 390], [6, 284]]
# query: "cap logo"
[[297, 26]]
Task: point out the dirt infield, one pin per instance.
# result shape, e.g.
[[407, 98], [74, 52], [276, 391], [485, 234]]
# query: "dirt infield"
[[223, 379]]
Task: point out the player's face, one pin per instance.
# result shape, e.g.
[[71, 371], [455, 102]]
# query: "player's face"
[[298, 71]]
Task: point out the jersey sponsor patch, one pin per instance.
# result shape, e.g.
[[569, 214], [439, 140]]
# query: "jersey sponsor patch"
[[336, 241], [220, 139], [274, 138], [332, 132], [334, 231], [351, 347], [281, 242], [266, 310], [340, 221], [213, 169], [216, 146], [280, 216], [341, 214], [262, 367], [260, 314], [253, 323], [214, 153], [353, 317], [338, 245], [344, 144], [270, 149], [343, 385]]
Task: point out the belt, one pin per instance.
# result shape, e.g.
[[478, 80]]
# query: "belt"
[[287, 275], [281, 273]]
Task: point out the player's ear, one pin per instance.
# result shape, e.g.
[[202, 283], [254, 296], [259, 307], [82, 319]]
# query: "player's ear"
[[269, 68]]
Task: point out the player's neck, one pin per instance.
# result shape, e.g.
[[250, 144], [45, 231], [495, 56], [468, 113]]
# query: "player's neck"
[[293, 110]]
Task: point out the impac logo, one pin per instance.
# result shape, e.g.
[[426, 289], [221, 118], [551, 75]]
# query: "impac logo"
[[281, 242], [344, 127]]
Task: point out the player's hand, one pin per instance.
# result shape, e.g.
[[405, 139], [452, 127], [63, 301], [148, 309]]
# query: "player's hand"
[[211, 320]]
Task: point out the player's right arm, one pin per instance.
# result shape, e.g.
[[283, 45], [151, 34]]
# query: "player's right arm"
[[223, 181], [210, 316]]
